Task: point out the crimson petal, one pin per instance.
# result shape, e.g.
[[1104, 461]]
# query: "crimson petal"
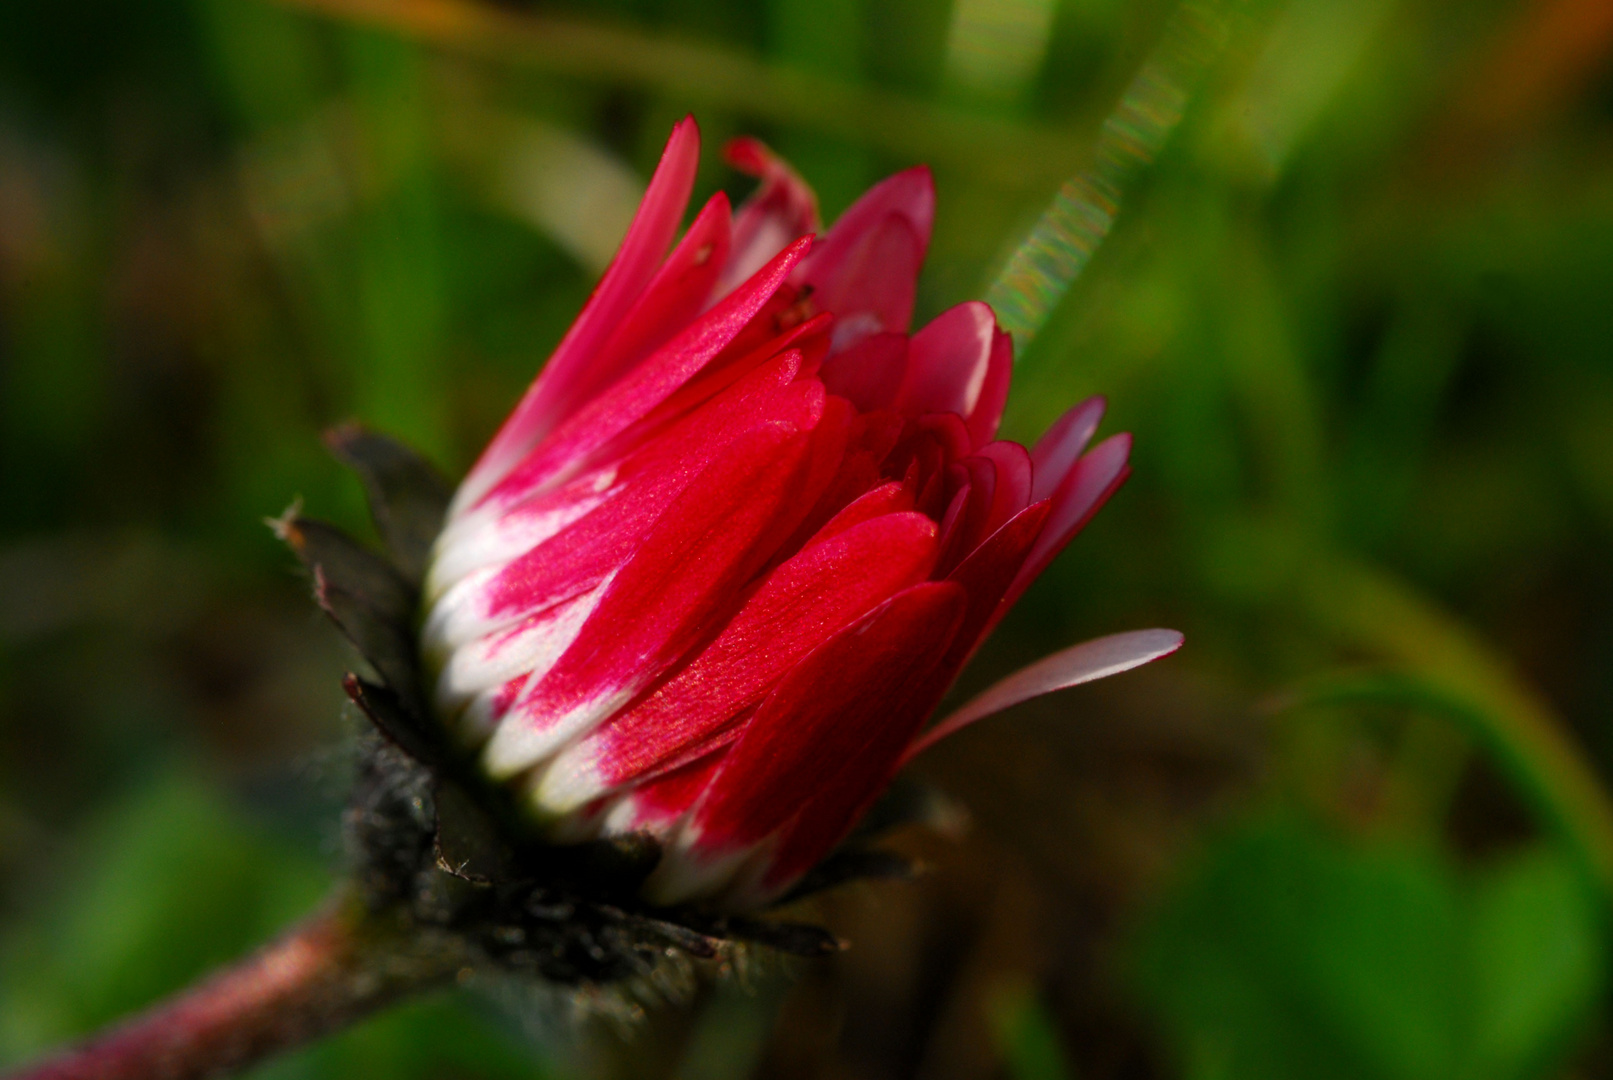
[[710, 540], [630, 271], [801, 603], [840, 703]]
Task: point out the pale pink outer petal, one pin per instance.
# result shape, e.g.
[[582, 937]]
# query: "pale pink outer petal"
[[530, 647], [478, 720], [1062, 445], [657, 805], [865, 269], [575, 558], [1083, 663], [629, 273], [1082, 494], [783, 209], [485, 538]]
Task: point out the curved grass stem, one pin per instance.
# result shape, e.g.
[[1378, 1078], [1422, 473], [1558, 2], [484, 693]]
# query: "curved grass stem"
[[1439, 668]]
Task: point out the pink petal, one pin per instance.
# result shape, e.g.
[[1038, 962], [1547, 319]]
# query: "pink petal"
[[889, 498], [825, 740], [869, 373], [908, 196], [785, 312], [966, 512], [718, 532], [857, 473], [947, 362], [866, 268], [838, 803], [987, 573], [878, 432], [1062, 444], [652, 382], [869, 439], [1015, 478], [874, 286], [728, 368], [1082, 493], [846, 699], [1084, 663], [782, 210], [831, 438], [670, 302], [576, 558], [802, 603], [838, 806], [630, 271], [928, 475], [988, 410], [654, 806], [948, 431]]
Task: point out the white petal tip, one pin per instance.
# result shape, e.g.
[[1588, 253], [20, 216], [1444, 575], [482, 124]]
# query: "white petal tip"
[[513, 749], [518, 745], [567, 786]]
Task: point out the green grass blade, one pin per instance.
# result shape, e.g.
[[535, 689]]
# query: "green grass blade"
[[1062, 242]]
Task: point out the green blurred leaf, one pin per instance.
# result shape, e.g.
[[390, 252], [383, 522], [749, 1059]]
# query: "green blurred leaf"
[[1539, 957], [732, 1030], [172, 883], [440, 1036], [1027, 1036], [1287, 952]]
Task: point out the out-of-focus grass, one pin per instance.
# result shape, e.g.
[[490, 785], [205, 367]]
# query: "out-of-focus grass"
[[1356, 315]]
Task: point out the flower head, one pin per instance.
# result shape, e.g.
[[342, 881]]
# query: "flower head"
[[717, 569]]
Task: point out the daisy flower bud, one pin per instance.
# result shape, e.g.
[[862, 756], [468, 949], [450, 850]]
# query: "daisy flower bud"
[[715, 572]]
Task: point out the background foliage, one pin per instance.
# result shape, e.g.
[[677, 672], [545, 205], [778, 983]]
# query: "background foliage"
[[1358, 317]]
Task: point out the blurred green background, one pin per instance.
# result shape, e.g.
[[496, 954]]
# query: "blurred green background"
[[1359, 317]]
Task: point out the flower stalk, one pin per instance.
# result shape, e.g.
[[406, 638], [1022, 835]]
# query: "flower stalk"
[[337, 967]]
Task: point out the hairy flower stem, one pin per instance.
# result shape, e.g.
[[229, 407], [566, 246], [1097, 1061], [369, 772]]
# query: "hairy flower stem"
[[330, 971]]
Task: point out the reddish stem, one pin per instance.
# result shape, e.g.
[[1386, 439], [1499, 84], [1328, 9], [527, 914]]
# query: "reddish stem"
[[322, 975]]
